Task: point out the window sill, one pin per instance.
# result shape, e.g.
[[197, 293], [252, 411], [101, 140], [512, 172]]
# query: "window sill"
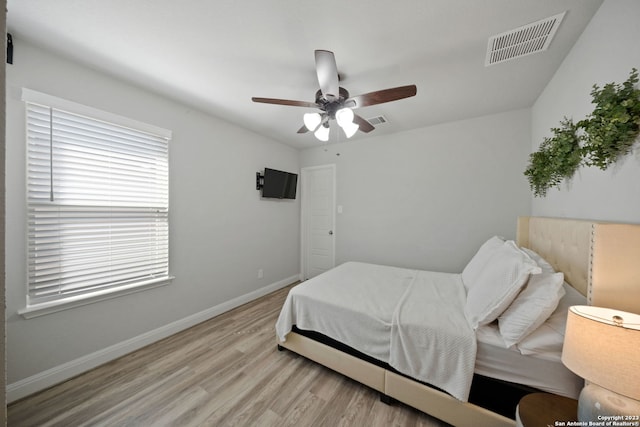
[[31, 311]]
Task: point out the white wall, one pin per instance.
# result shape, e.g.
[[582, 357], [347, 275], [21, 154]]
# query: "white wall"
[[606, 52], [221, 232], [428, 198]]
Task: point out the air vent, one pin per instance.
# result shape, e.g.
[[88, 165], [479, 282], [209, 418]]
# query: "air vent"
[[523, 41], [378, 120]]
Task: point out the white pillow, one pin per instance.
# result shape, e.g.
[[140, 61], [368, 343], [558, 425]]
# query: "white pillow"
[[479, 260], [496, 286], [532, 307], [542, 263], [549, 337]]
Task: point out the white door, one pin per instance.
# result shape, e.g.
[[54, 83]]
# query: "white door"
[[318, 219]]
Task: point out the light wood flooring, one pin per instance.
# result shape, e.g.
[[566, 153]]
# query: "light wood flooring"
[[223, 372]]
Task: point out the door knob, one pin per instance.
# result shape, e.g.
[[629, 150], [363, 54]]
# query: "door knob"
[[330, 232]]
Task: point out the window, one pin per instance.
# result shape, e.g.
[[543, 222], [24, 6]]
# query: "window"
[[97, 204]]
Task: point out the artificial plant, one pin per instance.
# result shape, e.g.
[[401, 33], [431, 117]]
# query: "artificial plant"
[[605, 135], [557, 158], [612, 128]]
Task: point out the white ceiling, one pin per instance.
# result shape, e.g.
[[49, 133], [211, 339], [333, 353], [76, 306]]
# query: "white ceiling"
[[216, 55]]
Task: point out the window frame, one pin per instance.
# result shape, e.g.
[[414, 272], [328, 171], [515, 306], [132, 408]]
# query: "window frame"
[[87, 297]]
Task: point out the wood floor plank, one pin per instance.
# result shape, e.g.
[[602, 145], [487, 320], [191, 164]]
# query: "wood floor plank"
[[223, 372]]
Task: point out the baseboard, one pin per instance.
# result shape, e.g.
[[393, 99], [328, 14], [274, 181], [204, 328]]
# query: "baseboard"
[[58, 374]]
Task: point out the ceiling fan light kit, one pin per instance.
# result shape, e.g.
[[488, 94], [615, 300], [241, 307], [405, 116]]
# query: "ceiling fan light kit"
[[312, 121], [344, 117], [323, 132], [350, 129], [335, 103]]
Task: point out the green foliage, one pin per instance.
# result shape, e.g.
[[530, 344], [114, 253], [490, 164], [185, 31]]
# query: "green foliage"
[[605, 135], [557, 158], [613, 126]]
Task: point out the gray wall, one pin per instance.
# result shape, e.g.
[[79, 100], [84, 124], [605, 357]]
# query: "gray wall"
[[605, 52], [3, 376], [428, 198], [221, 232]]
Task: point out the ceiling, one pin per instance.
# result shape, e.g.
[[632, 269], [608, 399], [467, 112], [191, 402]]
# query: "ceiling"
[[216, 55]]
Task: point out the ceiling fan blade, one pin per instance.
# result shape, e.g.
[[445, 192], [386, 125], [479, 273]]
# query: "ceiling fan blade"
[[286, 102], [382, 96], [365, 126], [327, 71], [303, 129]]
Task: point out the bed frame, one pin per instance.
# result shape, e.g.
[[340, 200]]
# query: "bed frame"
[[601, 260]]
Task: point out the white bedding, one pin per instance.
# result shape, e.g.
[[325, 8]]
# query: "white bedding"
[[413, 320], [431, 339]]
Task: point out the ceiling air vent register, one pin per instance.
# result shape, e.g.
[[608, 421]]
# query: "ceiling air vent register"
[[522, 41], [378, 120]]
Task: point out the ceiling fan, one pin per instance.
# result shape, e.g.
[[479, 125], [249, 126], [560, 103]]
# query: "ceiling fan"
[[335, 103]]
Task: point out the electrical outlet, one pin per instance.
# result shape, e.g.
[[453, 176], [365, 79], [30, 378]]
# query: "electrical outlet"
[[260, 273]]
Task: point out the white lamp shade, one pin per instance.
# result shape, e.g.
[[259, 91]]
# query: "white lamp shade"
[[350, 129], [344, 117], [312, 120], [602, 346], [322, 133]]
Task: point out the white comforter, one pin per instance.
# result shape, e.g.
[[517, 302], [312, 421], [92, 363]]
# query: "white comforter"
[[413, 320]]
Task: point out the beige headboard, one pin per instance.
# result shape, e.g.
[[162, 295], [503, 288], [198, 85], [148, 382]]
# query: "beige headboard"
[[600, 259]]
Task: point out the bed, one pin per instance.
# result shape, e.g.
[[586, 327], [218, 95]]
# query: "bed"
[[597, 262]]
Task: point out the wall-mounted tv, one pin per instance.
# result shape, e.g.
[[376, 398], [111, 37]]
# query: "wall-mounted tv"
[[279, 184]]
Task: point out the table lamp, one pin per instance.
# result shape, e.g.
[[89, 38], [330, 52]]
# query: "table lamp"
[[602, 346]]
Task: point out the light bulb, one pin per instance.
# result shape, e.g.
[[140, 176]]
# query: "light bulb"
[[322, 133], [344, 117], [312, 120], [350, 129]]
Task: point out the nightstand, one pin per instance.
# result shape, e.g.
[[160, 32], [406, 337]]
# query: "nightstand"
[[544, 409]]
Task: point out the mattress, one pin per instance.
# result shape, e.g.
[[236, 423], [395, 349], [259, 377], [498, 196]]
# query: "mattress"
[[543, 372]]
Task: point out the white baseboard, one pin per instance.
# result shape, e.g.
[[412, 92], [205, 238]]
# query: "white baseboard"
[[68, 370]]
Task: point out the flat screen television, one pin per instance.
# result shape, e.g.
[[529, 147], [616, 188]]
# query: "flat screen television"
[[279, 184]]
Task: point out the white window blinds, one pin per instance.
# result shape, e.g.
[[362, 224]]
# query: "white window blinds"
[[98, 206]]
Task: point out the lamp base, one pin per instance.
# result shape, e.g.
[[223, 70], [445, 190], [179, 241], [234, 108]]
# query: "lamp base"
[[596, 402]]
